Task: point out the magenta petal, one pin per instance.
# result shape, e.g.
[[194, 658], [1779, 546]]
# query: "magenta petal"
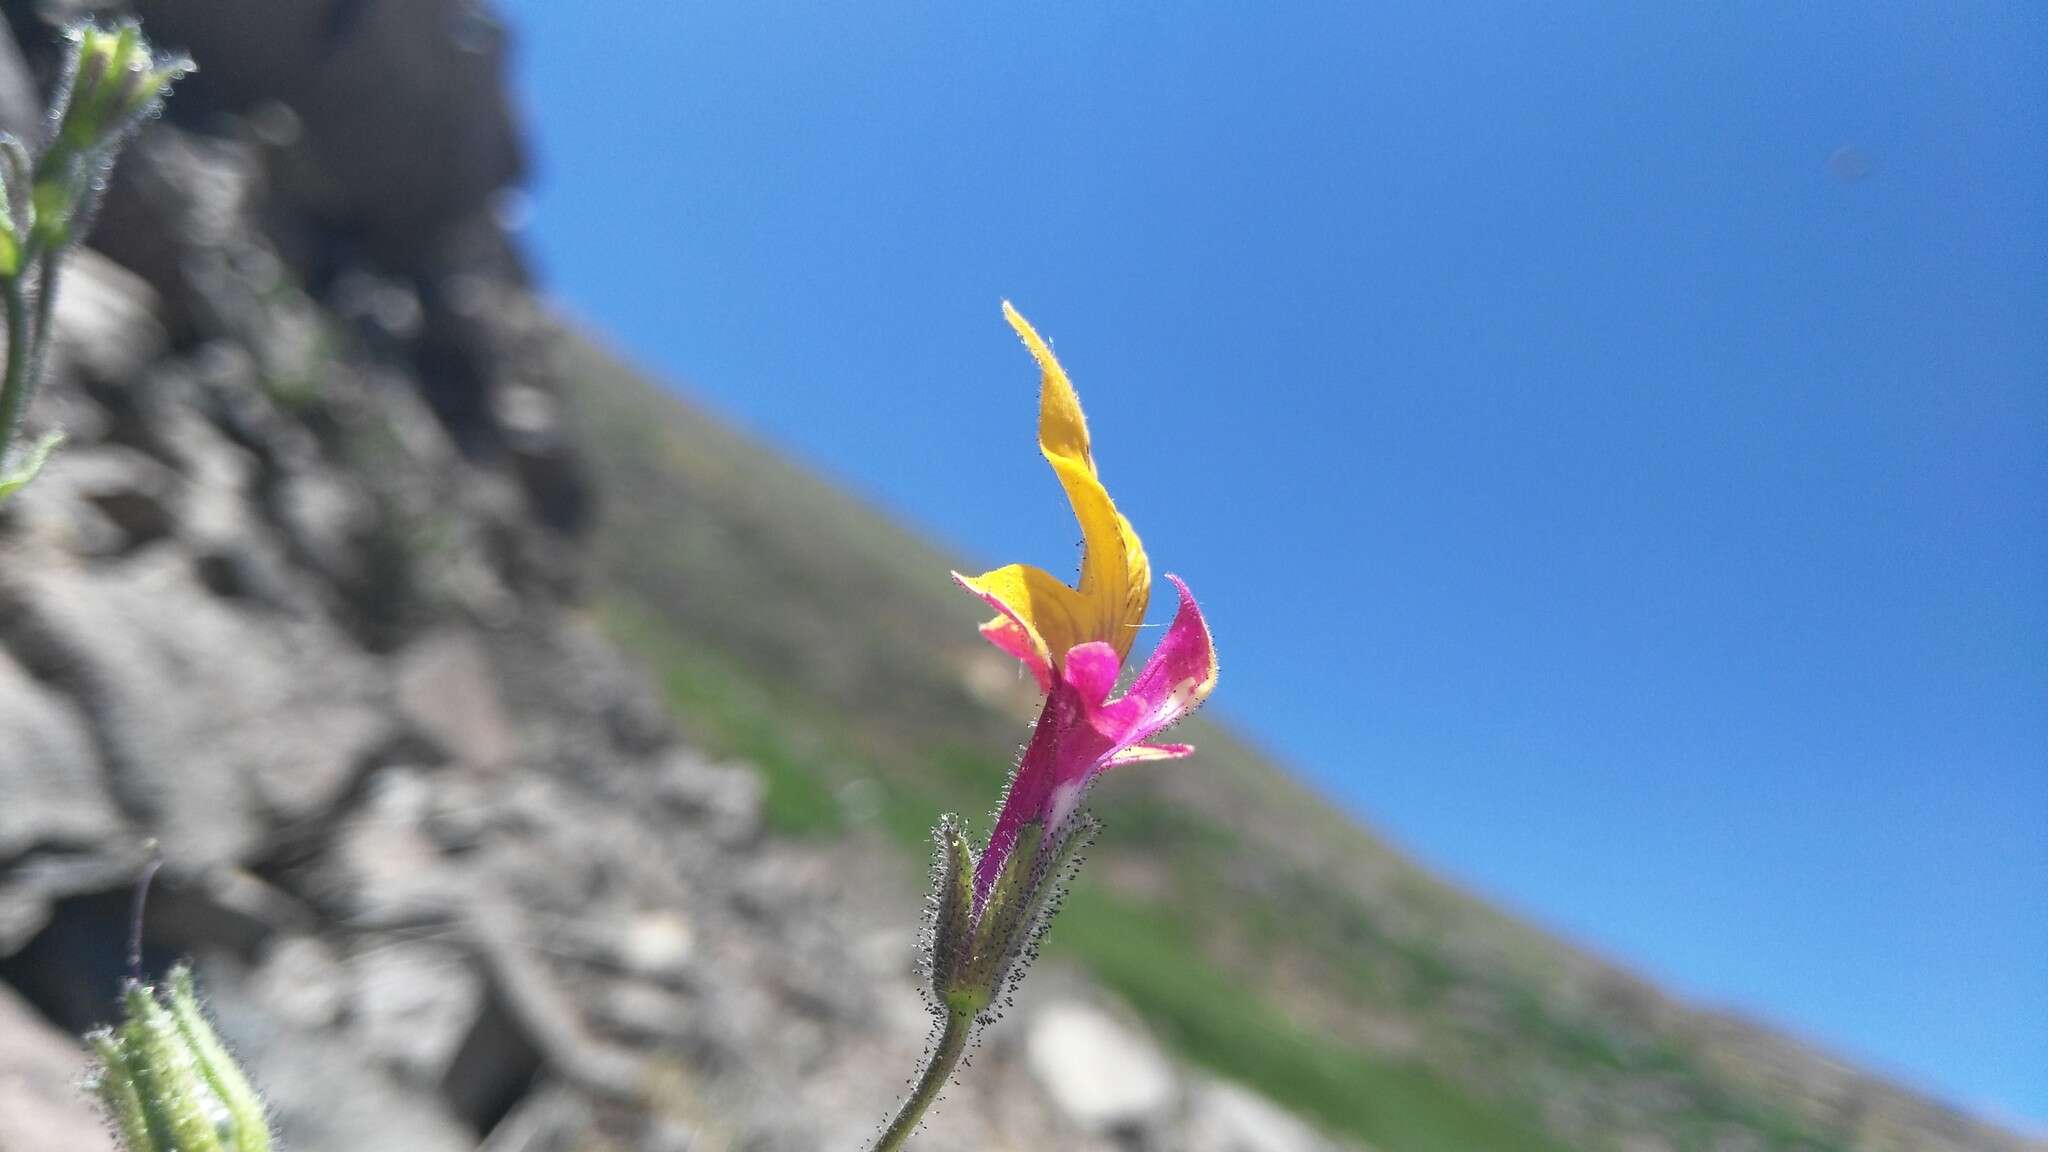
[[1060, 738], [1092, 669], [1174, 682]]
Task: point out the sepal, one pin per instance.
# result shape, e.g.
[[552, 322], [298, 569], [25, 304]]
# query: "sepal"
[[951, 929]]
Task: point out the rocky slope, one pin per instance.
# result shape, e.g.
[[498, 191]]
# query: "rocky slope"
[[305, 599]]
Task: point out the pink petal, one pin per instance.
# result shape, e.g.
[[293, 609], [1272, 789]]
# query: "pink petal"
[[1174, 682], [1009, 633], [1092, 669]]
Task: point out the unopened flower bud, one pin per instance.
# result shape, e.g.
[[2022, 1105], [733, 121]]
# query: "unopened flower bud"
[[168, 1083], [115, 80]]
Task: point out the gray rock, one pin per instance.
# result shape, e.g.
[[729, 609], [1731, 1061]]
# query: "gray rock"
[[1099, 1073], [41, 1102], [21, 106], [181, 213], [56, 795], [447, 692], [106, 325], [214, 725], [56, 517], [328, 519], [415, 1002], [549, 1119], [1223, 1117], [727, 797], [124, 488], [323, 1093], [643, 1013], [381, 865], [303, 982]]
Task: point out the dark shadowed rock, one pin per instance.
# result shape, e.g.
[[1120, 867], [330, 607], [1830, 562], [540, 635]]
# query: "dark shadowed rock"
[[351, 71]]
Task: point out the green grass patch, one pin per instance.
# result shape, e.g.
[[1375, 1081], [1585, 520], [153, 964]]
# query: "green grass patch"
[[1151, 958]]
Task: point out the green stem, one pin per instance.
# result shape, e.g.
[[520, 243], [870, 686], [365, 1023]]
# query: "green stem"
[[14, 388], [46, 314], [952, 1045]]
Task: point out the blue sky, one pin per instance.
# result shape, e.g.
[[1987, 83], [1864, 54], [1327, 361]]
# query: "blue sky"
[[1627, 499]]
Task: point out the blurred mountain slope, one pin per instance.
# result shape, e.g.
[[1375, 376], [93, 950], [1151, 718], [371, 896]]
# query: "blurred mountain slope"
[[1265, 933]]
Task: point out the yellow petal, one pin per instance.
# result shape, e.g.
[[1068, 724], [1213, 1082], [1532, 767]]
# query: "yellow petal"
[[1116, 577], [1052, 616]]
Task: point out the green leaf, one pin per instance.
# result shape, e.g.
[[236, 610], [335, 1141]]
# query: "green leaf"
[[15, 479]]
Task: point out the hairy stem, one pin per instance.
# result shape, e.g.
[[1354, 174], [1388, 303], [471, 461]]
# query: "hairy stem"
[[14, 388], [46, 314], [952, 1045]]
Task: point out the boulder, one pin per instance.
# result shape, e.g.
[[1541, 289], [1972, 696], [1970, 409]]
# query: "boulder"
[[350, 72], [1099, 1073]]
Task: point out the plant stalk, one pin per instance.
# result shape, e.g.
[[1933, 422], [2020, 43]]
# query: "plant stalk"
[[945, 1057], [14, 387], [45, 316]]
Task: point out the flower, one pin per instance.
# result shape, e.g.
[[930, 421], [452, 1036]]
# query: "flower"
[[1074, 640], [1082, 733]]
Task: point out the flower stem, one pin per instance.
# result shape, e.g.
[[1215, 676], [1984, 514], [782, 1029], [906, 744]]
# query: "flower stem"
[[45, 317], [14, 388], [952, 1045]]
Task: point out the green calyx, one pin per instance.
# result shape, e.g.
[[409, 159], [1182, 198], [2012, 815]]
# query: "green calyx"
[[951, 944], [975, 959], [168, 1083], [1003, 918]]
